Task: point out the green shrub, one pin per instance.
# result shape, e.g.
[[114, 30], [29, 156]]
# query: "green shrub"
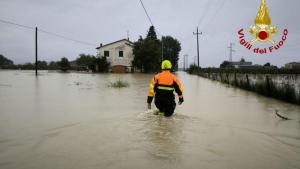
[[119, 84]]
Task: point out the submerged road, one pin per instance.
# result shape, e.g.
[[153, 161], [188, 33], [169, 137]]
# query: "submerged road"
[[75, 121]]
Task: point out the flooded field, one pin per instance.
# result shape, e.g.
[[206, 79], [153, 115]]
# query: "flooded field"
[[75, 121]]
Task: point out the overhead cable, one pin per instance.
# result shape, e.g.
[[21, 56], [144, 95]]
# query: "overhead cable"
[[46, 32]]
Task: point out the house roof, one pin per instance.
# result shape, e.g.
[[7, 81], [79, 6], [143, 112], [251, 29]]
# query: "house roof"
[[130, 43]]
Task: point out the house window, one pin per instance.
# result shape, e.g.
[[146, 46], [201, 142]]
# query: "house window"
[[106, 53], [120, 53]]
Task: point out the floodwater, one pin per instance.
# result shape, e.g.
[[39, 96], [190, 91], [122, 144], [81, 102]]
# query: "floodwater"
[[75, 121]]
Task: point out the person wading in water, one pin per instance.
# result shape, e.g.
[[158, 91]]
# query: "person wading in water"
[[162, 87]]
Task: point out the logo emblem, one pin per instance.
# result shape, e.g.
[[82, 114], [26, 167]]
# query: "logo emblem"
[[262, 31]]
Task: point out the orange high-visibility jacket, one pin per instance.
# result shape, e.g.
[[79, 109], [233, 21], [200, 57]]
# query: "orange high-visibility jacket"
[[166, 82]]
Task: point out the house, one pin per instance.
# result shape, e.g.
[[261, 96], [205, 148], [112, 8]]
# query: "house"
[[241, 63], [292, 65], [119, 54]]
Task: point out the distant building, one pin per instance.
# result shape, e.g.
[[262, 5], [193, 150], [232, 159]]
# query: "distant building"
[[256, 66], [240, 64], [119, 54], [292, 65]]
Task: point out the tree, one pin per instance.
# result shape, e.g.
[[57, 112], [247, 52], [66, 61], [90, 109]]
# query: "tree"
[[152, 56], [171, 49], [28, 66], [88, 61], [64, 64], [147, 55], [268, 64], [102, 64], [5, 61], [147, 52], [53, 65], [91, 62], [137, 52], [151, 33], [42, 65]]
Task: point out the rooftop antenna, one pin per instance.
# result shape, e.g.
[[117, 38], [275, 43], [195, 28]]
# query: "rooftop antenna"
[[127, 34]]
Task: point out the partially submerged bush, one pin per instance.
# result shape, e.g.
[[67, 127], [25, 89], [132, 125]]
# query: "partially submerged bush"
[[119, 84]]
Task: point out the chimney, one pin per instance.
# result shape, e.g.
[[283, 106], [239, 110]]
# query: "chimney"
[[101, 45]]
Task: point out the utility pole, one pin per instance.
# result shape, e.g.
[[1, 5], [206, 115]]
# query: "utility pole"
[[197, 33], [162, 48], [187, 61], [36, 51], [231, 51], [183, 62]]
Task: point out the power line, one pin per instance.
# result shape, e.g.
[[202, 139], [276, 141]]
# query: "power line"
[[148, 16], [200, 21], [162, 44], [16, 24], [146, 12], [66, 38], [205, 13], [46, 32], [215, 14]]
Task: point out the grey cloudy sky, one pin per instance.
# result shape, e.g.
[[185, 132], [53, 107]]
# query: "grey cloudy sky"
[[103, 21]]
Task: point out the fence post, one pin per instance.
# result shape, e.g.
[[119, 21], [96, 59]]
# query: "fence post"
[[268, 86]]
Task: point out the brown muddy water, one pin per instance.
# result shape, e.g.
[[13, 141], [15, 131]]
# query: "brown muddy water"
[[75, 121]]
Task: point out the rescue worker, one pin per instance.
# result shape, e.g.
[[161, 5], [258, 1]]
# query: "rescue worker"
[[162, 87]]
